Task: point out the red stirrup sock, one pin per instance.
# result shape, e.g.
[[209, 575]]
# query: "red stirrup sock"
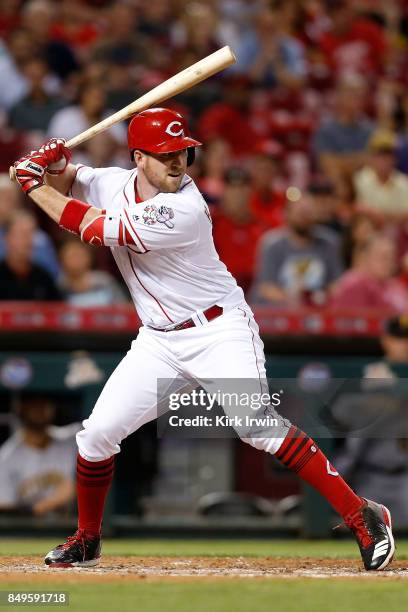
[[301, 454], [93, 482]]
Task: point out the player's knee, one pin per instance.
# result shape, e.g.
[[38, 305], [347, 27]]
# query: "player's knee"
[[97, 441]]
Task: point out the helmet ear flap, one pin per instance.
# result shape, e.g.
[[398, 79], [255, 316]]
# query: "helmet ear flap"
[[190, 155]]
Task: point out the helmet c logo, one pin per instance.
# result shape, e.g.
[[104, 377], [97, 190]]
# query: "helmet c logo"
[[173, 124]]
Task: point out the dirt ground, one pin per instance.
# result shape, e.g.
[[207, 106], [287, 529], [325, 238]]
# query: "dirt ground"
[[32, 569]]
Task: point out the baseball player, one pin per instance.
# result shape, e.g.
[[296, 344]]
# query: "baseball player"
[[197, 328]]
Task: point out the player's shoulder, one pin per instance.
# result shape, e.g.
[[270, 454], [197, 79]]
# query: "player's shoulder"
[[101, 185], [99, 173]]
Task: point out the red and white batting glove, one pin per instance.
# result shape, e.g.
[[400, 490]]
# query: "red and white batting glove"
[[30, 172], [56, 154], [52, 157]]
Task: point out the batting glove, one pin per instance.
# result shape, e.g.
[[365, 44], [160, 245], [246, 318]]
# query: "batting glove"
[[52, 157], [30, 172], [56, 154]]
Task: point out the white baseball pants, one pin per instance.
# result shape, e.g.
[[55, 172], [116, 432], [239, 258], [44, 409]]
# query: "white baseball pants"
[[228, 347]]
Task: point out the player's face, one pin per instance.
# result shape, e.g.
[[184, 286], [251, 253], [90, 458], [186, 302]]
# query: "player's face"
[[165, 171]]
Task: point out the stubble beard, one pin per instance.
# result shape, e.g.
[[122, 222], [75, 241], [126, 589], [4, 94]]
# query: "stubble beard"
[[165, 184], [169, 185]]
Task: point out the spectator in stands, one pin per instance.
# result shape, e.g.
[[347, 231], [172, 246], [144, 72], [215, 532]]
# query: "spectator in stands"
[[154, 20], [230, 118], [9, 201], [193, 36], [297, 264], [236, 18], [82, 286], [77, 26], [379, 465], [119, 43], [43, 253], [352, 43], [196, 32], [20, 278], [37, 463], [36, 109], [399, 111], [103, 151], [70, 121], [236, 229], [9, 16], [120, 86], [269, 54], [267, 200], [340, 142], [215, 161], [371, 283], [20, 48], [326, 205], [382, 190], [38, 17], [356, 235]]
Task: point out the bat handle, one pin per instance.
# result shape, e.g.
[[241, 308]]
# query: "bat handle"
[[12, 173]]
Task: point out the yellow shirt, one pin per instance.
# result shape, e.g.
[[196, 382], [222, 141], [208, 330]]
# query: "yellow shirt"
[[391, 196]]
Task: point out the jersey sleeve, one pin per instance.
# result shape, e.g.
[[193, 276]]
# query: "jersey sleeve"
[[166, 221], [91, 185]]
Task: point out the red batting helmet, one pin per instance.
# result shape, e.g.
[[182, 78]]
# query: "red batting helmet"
[[160, 130]]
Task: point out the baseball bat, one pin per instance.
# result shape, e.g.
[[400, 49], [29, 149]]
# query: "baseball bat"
[[213, 63]]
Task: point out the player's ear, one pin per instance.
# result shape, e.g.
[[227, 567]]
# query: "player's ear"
[[137, 157]]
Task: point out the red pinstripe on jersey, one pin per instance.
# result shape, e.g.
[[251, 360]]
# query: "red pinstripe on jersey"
[[147, 291], [135, 232]]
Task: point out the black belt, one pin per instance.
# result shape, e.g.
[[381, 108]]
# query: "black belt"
[[211, 313]]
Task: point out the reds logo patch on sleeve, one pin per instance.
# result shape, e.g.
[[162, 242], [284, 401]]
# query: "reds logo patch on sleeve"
[[163, 214]]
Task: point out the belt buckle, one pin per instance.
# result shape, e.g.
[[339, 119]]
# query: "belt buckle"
[[185, 324]]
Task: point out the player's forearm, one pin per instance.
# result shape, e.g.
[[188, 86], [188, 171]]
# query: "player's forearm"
[[62, 182], [88, 222], [50, 201], [54, 204]]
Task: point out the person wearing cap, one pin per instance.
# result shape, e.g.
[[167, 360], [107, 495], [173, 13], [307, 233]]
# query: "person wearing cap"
[[37, 462], [267, 198], [377, 462], [236, 229], [381, 189]]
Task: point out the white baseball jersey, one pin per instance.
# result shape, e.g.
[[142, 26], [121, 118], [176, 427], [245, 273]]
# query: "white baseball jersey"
[[172, 269]]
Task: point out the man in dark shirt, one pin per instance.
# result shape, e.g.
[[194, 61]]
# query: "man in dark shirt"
[[20, 279], [340, 142]]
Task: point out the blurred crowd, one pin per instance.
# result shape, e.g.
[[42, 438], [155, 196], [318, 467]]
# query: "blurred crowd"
[[305, 156]]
